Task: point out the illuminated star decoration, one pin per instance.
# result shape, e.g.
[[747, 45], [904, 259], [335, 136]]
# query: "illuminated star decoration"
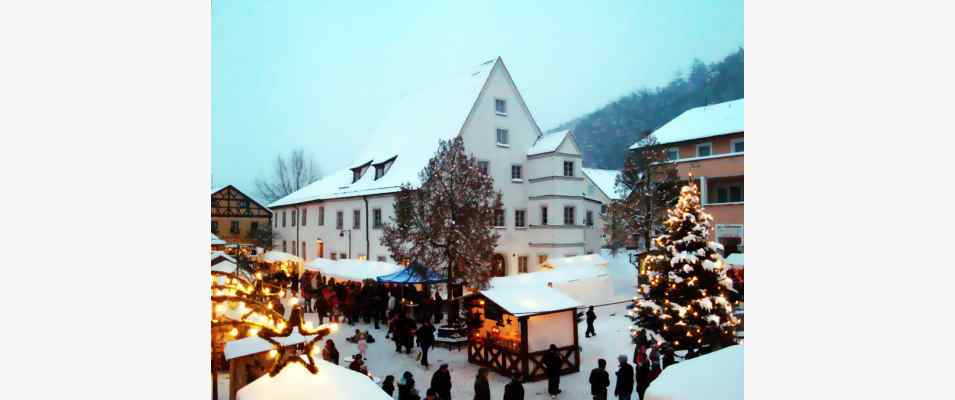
[[288, 354]]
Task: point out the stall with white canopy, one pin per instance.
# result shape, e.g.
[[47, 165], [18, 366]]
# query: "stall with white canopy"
[[331, 382], [352, 270]]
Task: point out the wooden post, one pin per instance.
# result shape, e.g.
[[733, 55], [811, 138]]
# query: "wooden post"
[[573, 320], [525, 368]]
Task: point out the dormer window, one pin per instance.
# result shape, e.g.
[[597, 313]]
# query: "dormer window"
[[382, 168], [358, 171]]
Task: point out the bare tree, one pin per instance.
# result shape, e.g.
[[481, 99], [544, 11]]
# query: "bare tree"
[[652, 182], [292, 173]]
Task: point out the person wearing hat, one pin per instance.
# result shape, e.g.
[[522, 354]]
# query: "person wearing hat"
[[441, 382], [624, 388]]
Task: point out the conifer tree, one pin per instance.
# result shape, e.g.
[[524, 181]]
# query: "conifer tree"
[[685, 298]]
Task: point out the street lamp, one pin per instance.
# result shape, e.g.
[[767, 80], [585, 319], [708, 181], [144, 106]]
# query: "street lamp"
[[342, 234]]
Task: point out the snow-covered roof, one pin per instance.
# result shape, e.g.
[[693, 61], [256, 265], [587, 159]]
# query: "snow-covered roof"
[[548, 143], [352, 270], [575, 261], [217, 254], [701, 122], [254, 344], [735, 259], [605, 180], [714, 376], [411, 131], [224, 266], [277, 256], [529, 299], [216, 240], [332, 382]]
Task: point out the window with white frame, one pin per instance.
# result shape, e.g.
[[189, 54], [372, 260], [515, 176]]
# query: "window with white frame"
[[543, 215], [589, 218], [484, 166], [500, 107], [502, 136], [519, 218], [304, 216], [516, 172], [568, 168], [673, 154], [321, 216], [704, 149], [522, 264], [339, 220], [568, 215], [737, 145], [376, 220], [283, 219], [294, 216], [356, 219]]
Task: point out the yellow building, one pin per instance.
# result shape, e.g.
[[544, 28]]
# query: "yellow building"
[[235, 215]]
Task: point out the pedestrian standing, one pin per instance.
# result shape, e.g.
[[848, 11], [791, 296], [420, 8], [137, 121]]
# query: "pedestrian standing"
[[599, 380], [624, 388], [406, 387], [389, 385], [642, 368], [425, 337], [438, 307], [514, 390], [441, 382], [482, 390], [363, 344], [591, 317], [552, 366]]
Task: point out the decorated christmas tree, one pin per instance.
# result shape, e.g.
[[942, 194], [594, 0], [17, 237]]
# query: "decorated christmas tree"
[[685, 299]]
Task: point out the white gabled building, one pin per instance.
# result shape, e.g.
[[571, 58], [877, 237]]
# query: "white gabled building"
[[547, 212]]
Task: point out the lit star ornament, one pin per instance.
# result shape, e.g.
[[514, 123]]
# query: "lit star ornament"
[[291, 354]]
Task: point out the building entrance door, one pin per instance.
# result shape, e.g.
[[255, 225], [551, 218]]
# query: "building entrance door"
[[319, 249], [497, 265]]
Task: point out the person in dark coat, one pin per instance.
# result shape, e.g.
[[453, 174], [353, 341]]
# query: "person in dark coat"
[[599, 380], [642, 368], [514, 390], [624, 388], [406, 387], [482, 389], [425, 338], [329, 352], [552, 364], [591, 317], [441, 382], [389, 385], [438, 307]]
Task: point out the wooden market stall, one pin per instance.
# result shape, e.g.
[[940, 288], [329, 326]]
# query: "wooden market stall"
[[249, 358], [513, 329]]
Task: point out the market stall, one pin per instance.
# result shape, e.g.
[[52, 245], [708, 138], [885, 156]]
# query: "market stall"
[[588, 284], [217, 244], [331, 382], [513, 329], [279, 260], [414, 274], [249, 358], [587, 260], [351, 270], [714, 376]]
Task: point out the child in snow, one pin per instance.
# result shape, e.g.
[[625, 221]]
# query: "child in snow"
[[362, 345]]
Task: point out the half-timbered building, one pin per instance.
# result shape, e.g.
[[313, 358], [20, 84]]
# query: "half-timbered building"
[[235, 215]]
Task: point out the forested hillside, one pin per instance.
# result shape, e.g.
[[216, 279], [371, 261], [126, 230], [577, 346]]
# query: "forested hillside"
[[605, 134]]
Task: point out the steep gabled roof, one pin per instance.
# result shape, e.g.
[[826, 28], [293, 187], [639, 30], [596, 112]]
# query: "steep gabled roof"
[[548, 143], [410, 133], [605, 180], [701, 122], [253, 199]]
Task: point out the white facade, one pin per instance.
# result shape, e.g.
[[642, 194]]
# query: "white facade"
[[405, 142]]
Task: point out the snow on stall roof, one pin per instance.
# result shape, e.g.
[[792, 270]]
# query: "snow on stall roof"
[[411, 131], [530, 299], [224, 266], [548, 143], [697, 123], [605, 180], [332, 382], [735, 259], [352, 270], [714, 376], [216, 254], [575, 261], [276, 256], [254, 344], [216, 240]]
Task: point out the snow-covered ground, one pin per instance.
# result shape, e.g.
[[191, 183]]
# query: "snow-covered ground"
[[612, 339]]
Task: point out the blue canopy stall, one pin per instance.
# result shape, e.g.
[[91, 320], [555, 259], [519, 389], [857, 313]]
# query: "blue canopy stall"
[[414, 274]]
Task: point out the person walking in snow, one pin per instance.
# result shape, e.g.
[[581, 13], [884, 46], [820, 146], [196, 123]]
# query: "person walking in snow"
[[482, 389], [599, 380], [425, 337], [514, 390], [552, 366], [406, 389], [624, 388], [642, 367], [441, 382], [591, 317]]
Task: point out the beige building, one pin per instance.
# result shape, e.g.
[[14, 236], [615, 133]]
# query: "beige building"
[[234, 215], [547, 212]]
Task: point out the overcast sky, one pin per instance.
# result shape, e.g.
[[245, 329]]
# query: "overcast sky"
[[320, 74]]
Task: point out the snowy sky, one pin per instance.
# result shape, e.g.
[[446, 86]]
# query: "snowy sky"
[[320, 74]]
